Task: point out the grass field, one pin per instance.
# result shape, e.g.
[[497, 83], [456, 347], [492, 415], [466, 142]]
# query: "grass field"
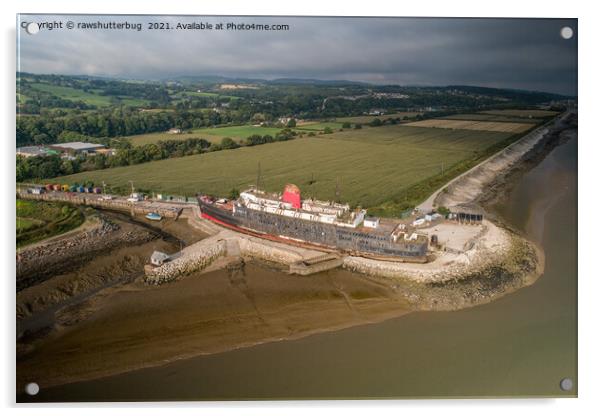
[[490, 117], [473, 125], [87, 97], [368, 119], [522, 113], [319, 126], [213, 135], [37, 220], [374, 166], [183, 94]]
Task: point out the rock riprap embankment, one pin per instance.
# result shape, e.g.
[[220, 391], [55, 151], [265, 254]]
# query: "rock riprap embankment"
[[40, 261]]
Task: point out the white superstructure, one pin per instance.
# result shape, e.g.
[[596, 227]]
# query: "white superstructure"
[[311, 210]]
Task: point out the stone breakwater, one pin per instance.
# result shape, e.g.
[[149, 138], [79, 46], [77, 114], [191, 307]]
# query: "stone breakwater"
[[192, 258], [491, 245], [491, 250], [226, 243], [480, 276]]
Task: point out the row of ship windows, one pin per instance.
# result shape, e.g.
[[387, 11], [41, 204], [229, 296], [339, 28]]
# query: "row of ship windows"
[[342, 236]]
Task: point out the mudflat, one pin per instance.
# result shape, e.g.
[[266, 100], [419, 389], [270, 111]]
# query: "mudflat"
[[135, 325]]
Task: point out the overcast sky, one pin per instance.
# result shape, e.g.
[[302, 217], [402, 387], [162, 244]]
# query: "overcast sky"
[[513, 53]]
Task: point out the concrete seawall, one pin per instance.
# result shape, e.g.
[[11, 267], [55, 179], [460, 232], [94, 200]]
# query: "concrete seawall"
[[192, 258], [468, 187], [198, 256]]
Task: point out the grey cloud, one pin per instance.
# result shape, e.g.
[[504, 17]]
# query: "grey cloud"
[[513, 53]]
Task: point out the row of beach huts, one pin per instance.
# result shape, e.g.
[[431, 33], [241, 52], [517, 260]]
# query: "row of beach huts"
[[37, 190]]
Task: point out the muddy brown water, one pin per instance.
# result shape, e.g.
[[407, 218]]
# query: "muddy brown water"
[[520, 345]]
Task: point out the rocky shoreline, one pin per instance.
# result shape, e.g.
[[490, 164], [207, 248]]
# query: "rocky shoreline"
[[58, 255]]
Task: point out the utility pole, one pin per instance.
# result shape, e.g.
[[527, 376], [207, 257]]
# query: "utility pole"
[[132, 184], [337, 192], [258, 175]]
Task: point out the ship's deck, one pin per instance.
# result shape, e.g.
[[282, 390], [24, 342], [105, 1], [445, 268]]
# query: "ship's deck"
[[385, 228]]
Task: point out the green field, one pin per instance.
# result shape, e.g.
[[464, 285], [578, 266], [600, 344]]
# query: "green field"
[[214, 135], [522, 113], [38, 220], [320, 126], [374, 166], [368, 119], [182, 94], [90, 98], [491, 117]]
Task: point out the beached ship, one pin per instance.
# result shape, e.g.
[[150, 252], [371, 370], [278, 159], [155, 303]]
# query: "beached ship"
[[287, 217]]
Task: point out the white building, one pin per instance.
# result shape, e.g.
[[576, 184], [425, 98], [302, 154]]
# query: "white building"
[[418, 221], [158, 258], [371, 222]]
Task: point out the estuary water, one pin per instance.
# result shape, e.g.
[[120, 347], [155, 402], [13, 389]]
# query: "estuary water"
[[520, 345]]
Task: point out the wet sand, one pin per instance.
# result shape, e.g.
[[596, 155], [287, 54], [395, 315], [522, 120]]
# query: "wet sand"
[[135, 326]]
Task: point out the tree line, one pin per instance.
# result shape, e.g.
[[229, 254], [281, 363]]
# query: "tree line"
[[116, 122], [51, 166]]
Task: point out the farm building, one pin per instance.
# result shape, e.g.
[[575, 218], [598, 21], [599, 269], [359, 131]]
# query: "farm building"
[[76, 147], [174, 131], [107, 152], [31, 151]]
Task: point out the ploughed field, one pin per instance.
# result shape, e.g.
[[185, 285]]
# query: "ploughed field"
[[522, 113], [491, 117], [373, 166], [474, 125]]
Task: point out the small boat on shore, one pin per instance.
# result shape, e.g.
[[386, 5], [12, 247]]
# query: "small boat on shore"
[[153, 216]]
